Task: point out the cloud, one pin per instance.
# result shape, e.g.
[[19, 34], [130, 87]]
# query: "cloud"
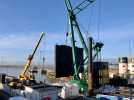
[[19, 41], [120, 32], [116, 40], [51, 39], [16, 47], [16, 41]]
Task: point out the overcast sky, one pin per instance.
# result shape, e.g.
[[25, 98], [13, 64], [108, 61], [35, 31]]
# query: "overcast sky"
[[22, 21]]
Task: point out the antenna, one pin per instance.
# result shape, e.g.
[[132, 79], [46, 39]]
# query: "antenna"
[[130, 49]]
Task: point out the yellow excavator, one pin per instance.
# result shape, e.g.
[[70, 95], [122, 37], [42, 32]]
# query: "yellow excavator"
[[25, 74]]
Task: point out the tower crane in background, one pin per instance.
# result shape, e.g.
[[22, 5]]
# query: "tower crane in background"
[[74, 26], [25, 74]]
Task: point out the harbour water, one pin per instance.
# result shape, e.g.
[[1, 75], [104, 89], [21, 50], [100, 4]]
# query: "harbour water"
[[15, 71]]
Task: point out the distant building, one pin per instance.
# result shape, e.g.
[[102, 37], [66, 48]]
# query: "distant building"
[[123, 66], [126, 66], [113, 71], [131, 66]]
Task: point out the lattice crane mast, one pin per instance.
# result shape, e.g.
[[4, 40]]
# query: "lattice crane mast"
[[72, 12]]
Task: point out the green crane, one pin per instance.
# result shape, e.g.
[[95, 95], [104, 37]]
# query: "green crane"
[[74, 26], [72, 12]]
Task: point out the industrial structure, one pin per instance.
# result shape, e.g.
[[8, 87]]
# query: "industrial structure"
[[131, 66], [26, 76], [26, 85], [86, 72], [100, 74], [126, 67], [87, 76], [123, 66]]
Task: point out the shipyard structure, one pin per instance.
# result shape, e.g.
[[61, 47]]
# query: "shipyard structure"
[[126, 67]]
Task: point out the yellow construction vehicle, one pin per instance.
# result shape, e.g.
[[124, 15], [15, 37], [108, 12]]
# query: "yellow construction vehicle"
[[25, 75]]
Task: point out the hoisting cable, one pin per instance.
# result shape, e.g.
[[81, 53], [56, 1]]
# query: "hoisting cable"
[[67, 31], [86, 30], [83, 29], [99, 19], [90, 22], [98, 27]]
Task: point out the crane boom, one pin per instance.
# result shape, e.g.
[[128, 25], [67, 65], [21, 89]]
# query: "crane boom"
[[82, 6], [75, 26], [23, 75], [89, 54]]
